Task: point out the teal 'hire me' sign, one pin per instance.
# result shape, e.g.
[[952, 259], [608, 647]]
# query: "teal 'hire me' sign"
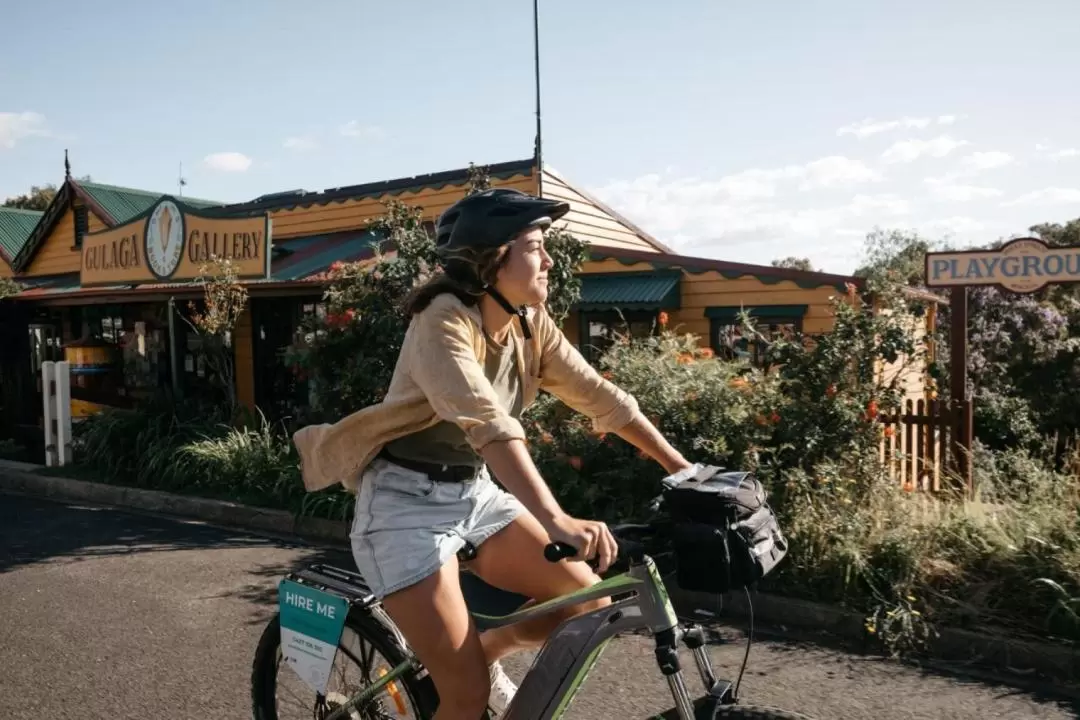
[[311, 625]]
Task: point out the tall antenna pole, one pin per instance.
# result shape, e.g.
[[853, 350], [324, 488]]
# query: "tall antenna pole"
[[538, 150], [180, 181]]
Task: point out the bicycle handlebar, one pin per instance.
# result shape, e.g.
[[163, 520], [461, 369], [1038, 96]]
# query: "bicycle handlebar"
[[554, 552], [627, 547]]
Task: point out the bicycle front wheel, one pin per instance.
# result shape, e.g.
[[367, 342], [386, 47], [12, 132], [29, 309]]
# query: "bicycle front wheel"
[[366, 651], [709, 708], [750, 712]]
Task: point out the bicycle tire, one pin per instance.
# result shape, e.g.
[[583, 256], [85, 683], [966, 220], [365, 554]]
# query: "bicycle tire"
[[754, 712], [709, 708], [264, 668]]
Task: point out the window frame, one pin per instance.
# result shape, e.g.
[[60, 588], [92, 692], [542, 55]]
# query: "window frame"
[[764, 316], [615, 319]]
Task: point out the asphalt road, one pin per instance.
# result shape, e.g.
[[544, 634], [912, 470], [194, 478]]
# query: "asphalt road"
[[119, 616]]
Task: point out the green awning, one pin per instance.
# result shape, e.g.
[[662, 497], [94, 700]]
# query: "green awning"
[[632, 291], [757, 312]]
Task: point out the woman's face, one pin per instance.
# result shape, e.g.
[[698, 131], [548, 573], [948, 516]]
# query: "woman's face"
[[523, 277]]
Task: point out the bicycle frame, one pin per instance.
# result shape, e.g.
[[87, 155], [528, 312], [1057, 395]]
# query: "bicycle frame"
[[571, 651]]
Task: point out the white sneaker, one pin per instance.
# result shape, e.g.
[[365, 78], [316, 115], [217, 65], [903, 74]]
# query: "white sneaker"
[[502, 689]]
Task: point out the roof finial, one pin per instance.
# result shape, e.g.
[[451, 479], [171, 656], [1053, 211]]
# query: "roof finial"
[[67, 166]]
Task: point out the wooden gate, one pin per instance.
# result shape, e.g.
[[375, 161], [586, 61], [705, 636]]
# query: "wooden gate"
[[920, 444]]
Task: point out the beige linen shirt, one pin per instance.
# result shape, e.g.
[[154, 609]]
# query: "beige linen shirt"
[[440, 376]]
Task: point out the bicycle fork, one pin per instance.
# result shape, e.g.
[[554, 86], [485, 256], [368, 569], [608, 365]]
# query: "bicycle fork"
[[667, 657]]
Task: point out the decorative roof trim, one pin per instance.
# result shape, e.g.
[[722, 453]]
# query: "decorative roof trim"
[[398, 186], [808, 280]]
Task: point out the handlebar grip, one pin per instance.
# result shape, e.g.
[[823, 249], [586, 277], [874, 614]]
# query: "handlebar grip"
[[554, 552]]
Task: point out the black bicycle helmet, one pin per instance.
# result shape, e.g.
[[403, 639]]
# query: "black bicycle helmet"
[[487, 220], [492, 218]]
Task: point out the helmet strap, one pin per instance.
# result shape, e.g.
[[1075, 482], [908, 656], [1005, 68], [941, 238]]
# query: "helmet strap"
[[505, 304]]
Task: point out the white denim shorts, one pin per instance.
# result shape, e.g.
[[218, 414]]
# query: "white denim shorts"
[[406, 526]]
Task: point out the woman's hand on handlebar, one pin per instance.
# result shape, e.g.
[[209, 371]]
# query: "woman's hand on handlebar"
[[592, 539]]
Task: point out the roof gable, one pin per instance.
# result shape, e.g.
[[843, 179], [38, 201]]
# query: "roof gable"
[[16, 227], [593, 221], [112, 204]]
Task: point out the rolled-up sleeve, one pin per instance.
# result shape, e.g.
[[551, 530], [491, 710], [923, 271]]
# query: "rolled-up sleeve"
[[569, 377], [441, 356]]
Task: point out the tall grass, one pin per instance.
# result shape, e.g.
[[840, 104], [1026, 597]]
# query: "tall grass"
[[1008, 560], [192, 448]]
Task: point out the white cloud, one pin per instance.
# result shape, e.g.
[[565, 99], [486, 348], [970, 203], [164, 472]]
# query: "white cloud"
[[300, 143], [1047, 150], [354, 129], [946, 188], [987, 160], [836, 171], [865, 128], [227, 161], [955, 224], [724, 218], [17, 126], [907, 151], [1047, 196], [869, 126], [876, 205]]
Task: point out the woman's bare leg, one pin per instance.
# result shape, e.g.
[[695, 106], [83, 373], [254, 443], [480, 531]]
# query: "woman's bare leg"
[[513, 559], [435, 621]]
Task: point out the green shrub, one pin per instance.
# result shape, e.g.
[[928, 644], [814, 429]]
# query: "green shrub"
[[191, 448], [809, 428]]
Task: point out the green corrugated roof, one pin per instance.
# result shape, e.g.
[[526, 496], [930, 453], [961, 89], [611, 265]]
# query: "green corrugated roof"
[[645, 291], [15, 228], [125, 203]]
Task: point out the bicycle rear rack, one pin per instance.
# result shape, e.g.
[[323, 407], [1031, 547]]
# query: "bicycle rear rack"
[[337, 581]]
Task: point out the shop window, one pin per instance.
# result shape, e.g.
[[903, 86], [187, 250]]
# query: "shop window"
[[599, 329], [139, 333], [731, 341]]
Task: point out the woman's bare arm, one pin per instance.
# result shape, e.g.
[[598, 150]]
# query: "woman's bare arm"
[[514, 467], [643, 435]]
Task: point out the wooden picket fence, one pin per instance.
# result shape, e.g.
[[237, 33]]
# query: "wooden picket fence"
[[917, 444]]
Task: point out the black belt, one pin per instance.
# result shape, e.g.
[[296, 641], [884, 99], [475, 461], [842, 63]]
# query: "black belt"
[[435, 471]]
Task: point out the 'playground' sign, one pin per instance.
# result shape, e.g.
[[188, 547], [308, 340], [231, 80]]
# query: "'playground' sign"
[[1022, 266]]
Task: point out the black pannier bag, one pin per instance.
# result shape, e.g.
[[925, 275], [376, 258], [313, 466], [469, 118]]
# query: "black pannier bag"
[[724, 534]]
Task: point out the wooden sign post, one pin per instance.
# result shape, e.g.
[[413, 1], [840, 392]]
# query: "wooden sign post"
[[1023, 265]]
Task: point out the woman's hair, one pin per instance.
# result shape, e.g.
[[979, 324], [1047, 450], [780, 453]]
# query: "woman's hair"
[[464, 275]]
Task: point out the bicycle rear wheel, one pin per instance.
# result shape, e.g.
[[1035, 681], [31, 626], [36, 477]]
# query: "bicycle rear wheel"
[[365, 651]]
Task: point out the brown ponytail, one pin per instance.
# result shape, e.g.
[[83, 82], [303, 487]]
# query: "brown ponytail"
[[459, 278]]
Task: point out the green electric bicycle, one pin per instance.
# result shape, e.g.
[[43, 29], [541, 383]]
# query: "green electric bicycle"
[[330, 627]]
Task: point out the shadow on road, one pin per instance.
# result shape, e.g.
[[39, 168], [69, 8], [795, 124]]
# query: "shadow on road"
[[262, 591], [35, 531]]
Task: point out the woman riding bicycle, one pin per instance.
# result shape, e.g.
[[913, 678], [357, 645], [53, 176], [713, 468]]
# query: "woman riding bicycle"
[[479, 347]]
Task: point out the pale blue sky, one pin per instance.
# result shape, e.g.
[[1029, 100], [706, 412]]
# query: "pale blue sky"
[[715, 125]]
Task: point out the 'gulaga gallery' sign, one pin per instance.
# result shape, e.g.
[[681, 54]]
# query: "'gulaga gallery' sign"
[[170, 242], [1022, 265]]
